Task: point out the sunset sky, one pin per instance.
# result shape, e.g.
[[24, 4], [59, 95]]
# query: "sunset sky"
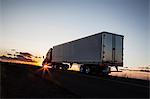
[[36, 25]]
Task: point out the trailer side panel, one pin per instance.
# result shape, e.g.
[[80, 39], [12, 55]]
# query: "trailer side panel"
[[85, 50]]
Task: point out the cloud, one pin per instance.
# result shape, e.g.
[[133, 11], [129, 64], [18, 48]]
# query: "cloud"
[[23, 58], [18, 57], [9, 54], [13, 50], [26, 54], [5, 57]]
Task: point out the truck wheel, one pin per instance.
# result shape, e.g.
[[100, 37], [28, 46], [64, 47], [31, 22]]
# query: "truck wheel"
[[106, 71], [81, 69], [56, 67], [65, 67], [87, 70]]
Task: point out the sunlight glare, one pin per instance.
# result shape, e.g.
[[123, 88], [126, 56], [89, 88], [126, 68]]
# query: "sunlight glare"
[[45, 71]]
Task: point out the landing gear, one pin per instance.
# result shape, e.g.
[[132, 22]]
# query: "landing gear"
[[116, 68]]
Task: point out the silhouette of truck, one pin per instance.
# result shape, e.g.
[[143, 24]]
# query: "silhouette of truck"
[[95, 53]]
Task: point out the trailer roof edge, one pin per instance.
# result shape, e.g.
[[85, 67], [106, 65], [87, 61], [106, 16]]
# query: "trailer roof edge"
[[89, 36]]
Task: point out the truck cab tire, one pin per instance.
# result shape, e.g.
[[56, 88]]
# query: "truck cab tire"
[[65, 67]]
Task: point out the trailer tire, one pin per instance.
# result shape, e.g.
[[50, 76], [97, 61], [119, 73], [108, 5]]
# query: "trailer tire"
[[106, 71]]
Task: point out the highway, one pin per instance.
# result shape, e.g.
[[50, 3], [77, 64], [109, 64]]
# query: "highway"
[[56, 83], [17, 81], [104, 87]]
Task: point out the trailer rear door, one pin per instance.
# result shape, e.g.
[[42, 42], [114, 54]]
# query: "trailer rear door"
[[107, 41], [118, 54], [112, 49]]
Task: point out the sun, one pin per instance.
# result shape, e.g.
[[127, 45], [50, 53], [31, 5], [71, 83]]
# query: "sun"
[[45, 71]]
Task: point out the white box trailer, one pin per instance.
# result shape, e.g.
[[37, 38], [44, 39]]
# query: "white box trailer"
[[99, 50]]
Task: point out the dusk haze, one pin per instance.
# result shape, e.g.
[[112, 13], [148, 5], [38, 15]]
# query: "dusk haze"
[[75, 49]]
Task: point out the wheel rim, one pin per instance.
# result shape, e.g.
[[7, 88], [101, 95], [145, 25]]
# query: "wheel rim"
[[87, 70], [81, 69]]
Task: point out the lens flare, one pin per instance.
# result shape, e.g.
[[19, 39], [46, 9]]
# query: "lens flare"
[[45, 71]]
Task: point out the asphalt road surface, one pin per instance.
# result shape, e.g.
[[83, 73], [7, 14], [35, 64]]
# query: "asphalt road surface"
[[18, 82], [25, 81]]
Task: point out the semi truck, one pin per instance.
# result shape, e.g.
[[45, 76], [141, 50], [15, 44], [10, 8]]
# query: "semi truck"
[[95, 53]]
